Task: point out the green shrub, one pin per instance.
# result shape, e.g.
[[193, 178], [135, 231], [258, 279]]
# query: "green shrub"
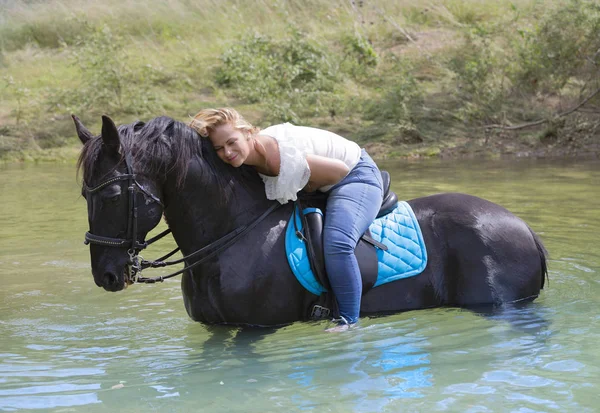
[[108, 81], [21, 96], [556, 47], [477, 74], [359, 56], [397, 106], [290, 76]]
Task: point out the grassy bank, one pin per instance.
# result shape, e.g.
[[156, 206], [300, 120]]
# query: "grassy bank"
[[403, 78]]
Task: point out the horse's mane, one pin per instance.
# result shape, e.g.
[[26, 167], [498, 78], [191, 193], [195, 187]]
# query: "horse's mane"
[[160, 147]]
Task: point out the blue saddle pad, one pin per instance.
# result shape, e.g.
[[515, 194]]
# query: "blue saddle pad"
[[399, 230]]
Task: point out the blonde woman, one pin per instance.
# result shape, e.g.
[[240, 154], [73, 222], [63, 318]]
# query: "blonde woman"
[[290, 158]]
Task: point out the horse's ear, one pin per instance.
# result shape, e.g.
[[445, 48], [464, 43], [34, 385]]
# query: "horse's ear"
[[84, 134], [110, 134]]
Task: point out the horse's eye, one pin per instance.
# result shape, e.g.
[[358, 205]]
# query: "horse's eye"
[[111, 195], [111, 199]]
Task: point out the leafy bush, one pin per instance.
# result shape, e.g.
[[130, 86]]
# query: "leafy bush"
[[108, 82], [523, 60], [288, 75], [21, 96], [398, 104], [359, 56], [477, 74], [552, 50]]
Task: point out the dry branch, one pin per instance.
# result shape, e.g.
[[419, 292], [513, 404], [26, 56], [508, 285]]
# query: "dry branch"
[[542, 121]]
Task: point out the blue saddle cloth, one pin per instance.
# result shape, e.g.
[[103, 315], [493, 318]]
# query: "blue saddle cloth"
[[399, 230]]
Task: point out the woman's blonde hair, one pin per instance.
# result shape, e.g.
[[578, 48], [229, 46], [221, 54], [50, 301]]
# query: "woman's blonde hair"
[[207, 120]]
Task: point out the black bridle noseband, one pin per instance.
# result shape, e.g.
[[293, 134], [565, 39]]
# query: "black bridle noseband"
[[134, 264]]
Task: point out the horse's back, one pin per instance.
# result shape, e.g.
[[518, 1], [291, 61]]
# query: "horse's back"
[[486, 255], [479, 254]]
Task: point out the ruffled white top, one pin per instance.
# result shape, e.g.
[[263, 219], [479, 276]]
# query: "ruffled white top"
[[295, 142]]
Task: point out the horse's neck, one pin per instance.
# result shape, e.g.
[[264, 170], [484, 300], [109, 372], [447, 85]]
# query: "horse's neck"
[[199, 214]]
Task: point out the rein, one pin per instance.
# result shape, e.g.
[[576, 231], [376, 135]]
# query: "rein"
[[134, 265], [218, 245]]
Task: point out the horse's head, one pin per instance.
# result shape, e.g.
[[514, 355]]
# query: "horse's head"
[[123, 204]]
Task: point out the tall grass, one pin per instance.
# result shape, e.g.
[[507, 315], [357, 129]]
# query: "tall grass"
[[49, 24]]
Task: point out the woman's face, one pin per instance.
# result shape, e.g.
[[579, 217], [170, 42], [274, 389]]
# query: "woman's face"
[[232, 146]]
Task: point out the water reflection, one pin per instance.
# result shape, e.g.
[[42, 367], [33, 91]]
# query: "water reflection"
[[300, 367], [58, 389], [48, 402]]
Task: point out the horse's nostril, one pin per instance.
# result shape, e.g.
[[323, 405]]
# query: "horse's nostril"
[[109, 279]]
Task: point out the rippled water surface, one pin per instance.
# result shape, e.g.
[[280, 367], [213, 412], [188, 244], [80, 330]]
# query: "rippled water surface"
[[66, 345]]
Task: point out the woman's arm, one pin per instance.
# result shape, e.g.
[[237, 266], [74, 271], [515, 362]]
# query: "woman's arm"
[[324, 171]]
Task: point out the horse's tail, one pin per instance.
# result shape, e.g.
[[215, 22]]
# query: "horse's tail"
[[543, 256]]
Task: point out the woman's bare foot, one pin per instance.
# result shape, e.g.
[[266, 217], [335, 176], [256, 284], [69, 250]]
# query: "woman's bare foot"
[[338, 328]]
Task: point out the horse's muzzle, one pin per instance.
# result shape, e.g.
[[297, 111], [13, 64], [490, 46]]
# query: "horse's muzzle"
[[112, 282]]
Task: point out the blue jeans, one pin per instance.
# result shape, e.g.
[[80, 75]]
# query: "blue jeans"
[[352, 206]]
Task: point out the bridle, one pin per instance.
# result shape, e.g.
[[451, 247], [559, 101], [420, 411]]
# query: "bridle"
[[130, 242], [136, 263]]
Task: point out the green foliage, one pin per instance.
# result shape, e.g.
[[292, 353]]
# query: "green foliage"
[[402, 92], [418, 15], [108, 81], [477, 76], [397, 107], [553, 49], [49, 31], [49, 27], [464, 12], [286, 75], [539, 56], [20, 94], [359, 56]]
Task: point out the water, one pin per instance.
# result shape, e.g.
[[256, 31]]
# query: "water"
[[66, 345]]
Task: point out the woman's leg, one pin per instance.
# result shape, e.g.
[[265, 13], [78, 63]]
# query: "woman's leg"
[[352, 206]]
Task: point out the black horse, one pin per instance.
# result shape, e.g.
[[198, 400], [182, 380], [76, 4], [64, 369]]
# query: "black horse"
[[480, 254]]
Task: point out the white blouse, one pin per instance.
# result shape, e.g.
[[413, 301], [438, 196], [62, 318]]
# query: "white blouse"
[[295, 142]]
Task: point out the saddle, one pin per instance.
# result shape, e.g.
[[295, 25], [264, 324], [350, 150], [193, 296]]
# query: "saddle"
[[365, 251]]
